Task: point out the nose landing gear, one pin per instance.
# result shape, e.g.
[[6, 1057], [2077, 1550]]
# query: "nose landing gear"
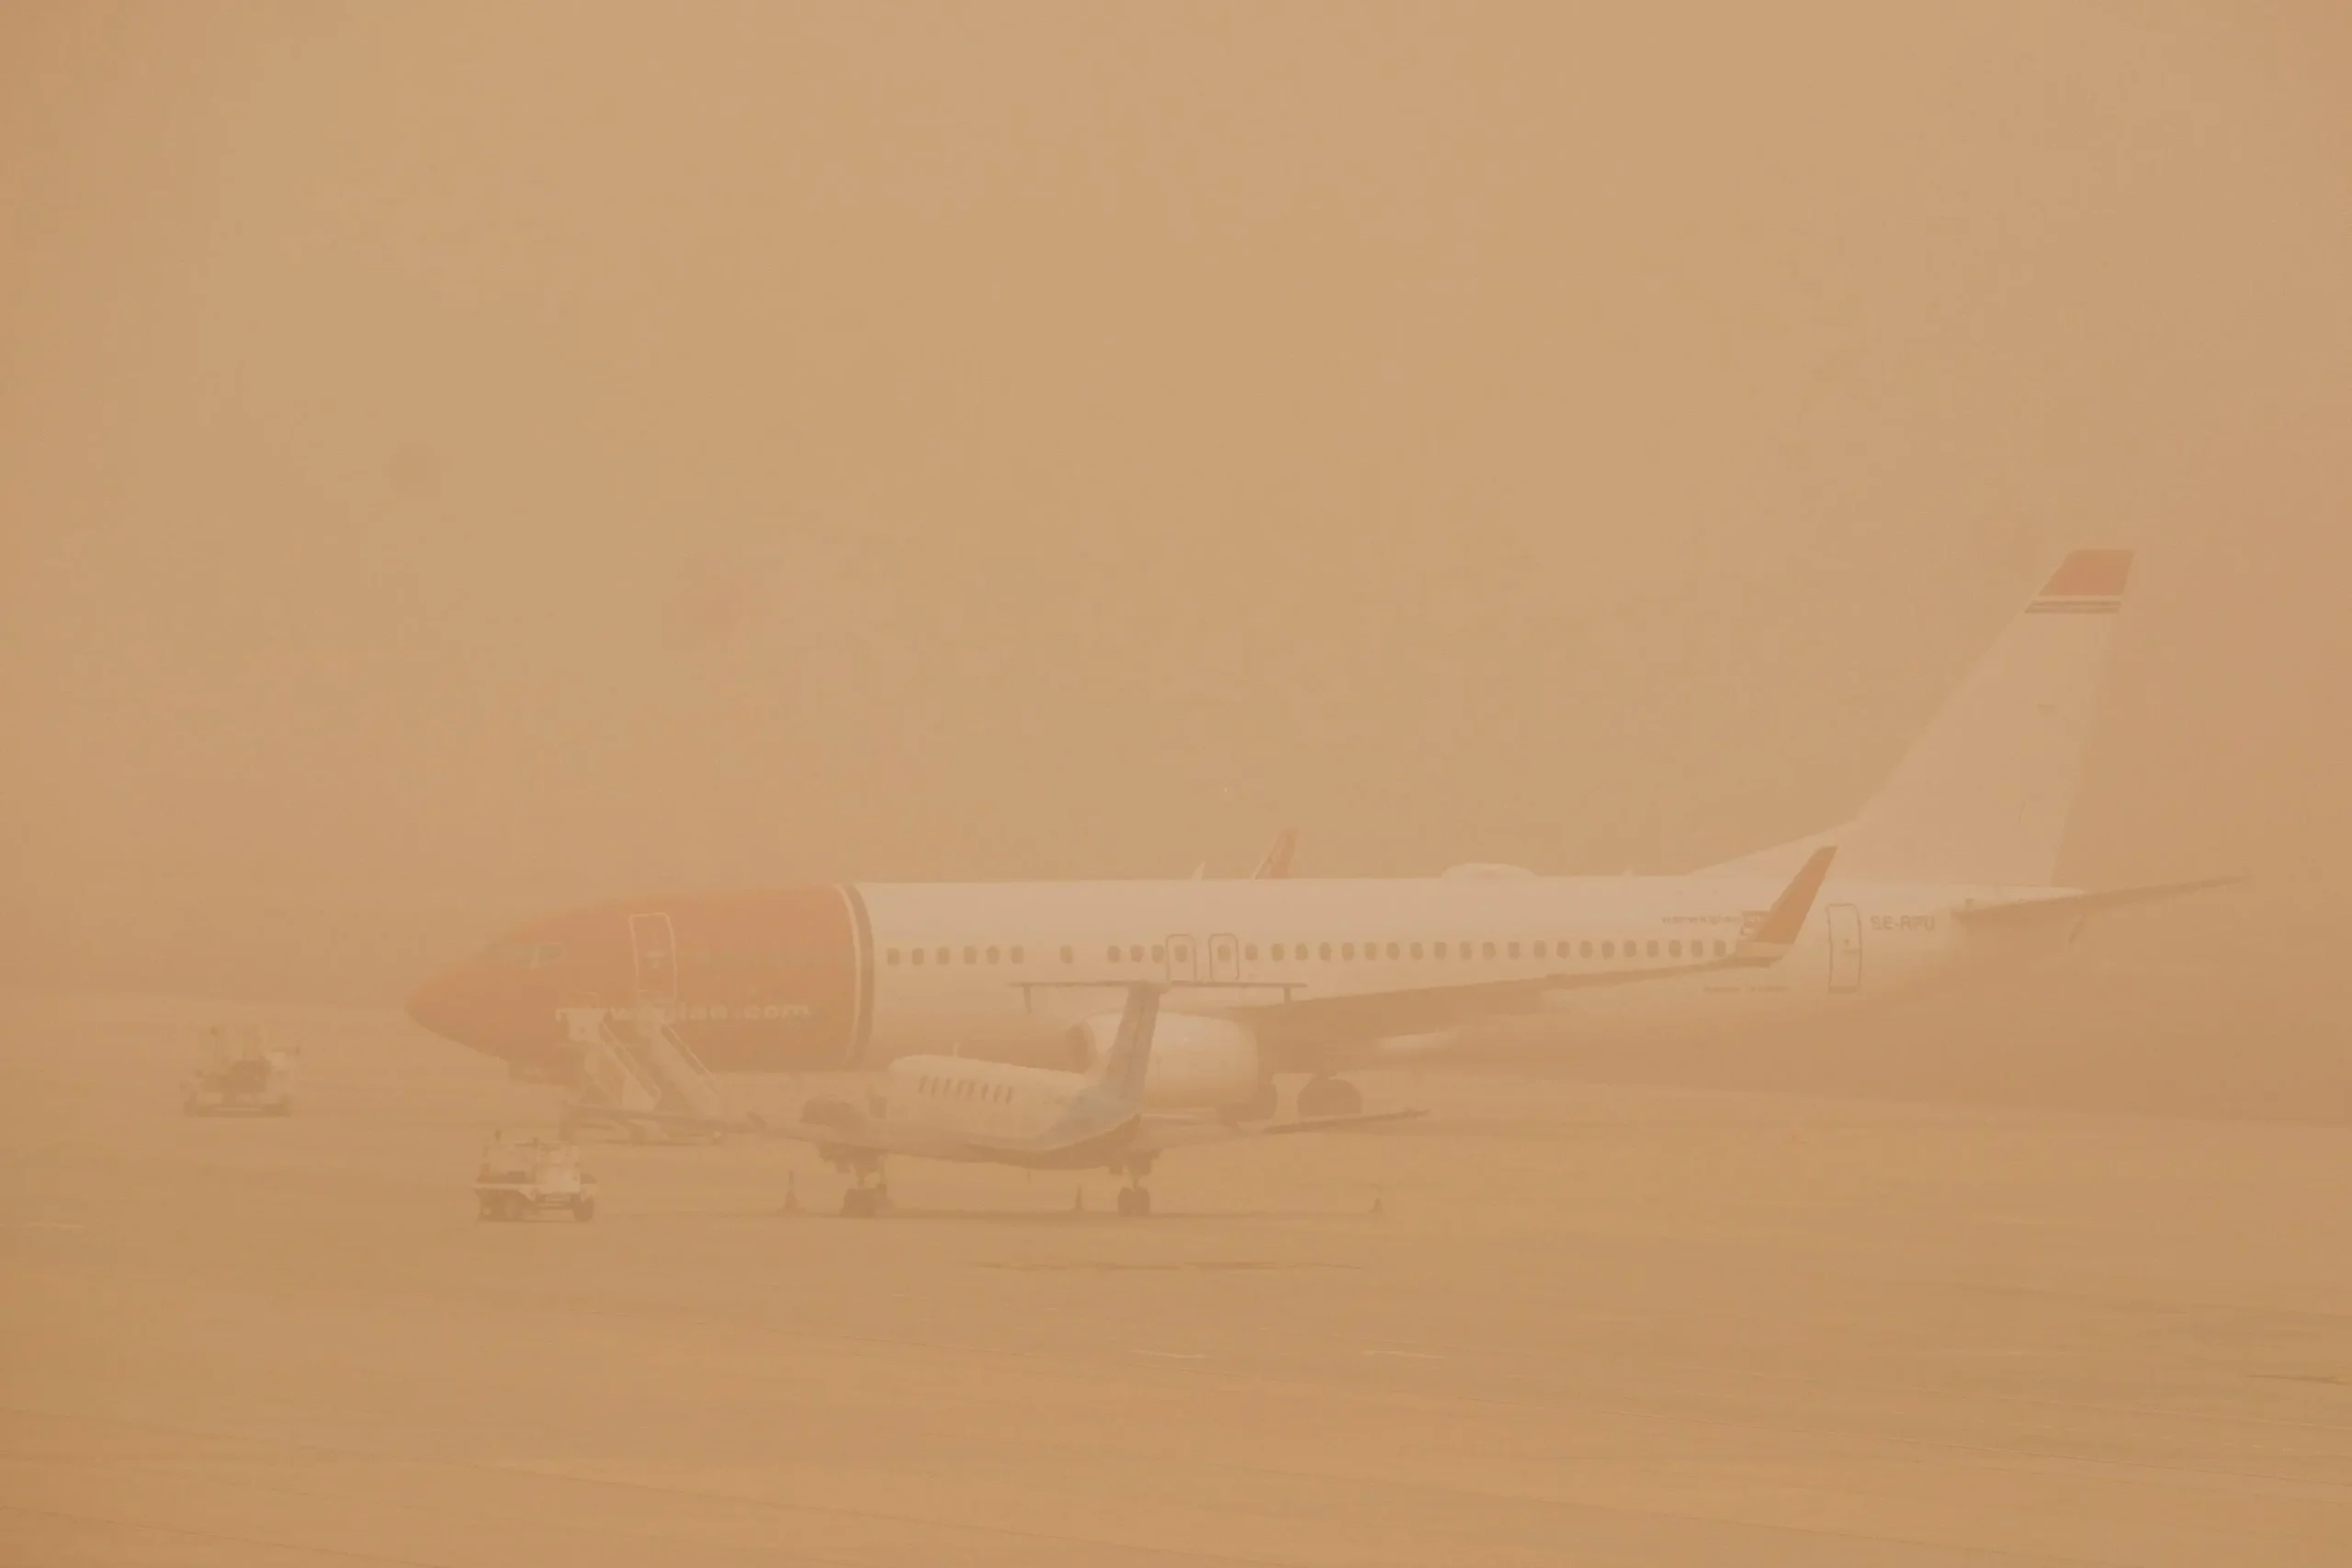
[[1135, 1199], [869, 1194], [863, 1203]]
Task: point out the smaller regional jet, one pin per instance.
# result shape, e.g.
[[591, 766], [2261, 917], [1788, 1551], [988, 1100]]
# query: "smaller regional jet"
[[977, 1111], [974, 1111]]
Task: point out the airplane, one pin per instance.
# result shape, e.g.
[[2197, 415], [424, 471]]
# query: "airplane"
[[973, 1111], [1946, 872]]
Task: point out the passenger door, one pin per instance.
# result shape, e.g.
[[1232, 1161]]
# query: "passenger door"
[[656, 948], [1845, 947]]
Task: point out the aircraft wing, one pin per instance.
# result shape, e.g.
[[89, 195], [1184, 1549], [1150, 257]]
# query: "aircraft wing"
[[2068, 905], [871, 1135], [1160, 1133], [1427, 1009]]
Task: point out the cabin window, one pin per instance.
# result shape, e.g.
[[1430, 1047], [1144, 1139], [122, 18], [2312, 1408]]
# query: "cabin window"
[[993, 955], [1417, 950], [1719, 947], [894, 956], [1653, 947], [1348, 951], [944, 955], [1184, 953], [1490, 950], [1016, 955], [1608, 950], [1250, 951], [1674, 950], [1070, 955], [918, 955], [1325, 953], [1514, 950], [1584, 950], [1277, 950]]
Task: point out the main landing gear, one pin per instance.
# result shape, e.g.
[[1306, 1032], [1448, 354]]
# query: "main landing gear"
[[1321, 1096], [1135, 1199], [868, 1195]]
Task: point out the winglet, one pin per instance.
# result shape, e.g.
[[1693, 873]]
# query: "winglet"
[[2087, 580], [1777, 932], [1276, 863], [1129, 1058]]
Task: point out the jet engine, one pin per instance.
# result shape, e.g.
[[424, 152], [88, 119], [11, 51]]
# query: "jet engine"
[[1197, 1064]]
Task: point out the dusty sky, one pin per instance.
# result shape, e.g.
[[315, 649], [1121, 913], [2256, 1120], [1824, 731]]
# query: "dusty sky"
[[455, 458]]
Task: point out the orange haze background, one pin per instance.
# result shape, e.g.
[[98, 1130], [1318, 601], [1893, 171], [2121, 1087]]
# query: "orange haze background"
[[459, 459]]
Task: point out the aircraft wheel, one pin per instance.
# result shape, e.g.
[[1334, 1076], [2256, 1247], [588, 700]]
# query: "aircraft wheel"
[[1329, 1097], [856, 1205], [583, 1209], [1134, 1203]]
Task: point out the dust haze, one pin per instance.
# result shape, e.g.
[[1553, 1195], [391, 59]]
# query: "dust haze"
[[459, 461]]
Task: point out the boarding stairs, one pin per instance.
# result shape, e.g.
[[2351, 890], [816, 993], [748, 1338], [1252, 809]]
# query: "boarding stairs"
[[636, 1071]]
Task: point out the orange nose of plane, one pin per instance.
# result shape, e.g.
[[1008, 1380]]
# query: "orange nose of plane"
[[502, 1002], [440, 1006]]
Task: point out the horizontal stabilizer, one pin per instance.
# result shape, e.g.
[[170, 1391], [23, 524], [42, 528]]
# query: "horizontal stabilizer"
[[2066, 906]]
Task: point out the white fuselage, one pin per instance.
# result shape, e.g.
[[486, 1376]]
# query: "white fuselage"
[[1022, 962]]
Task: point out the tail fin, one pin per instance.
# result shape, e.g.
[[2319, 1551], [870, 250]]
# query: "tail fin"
[[1985, 794], [1129, 1058]]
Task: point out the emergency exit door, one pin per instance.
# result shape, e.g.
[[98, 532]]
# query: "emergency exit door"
[[1845, 947], [656, 947]]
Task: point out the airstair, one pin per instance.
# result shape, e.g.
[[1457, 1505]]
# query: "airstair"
[[637, 1072]]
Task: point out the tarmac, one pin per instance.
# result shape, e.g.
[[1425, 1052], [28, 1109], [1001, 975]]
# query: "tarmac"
[[1552, 1323]]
